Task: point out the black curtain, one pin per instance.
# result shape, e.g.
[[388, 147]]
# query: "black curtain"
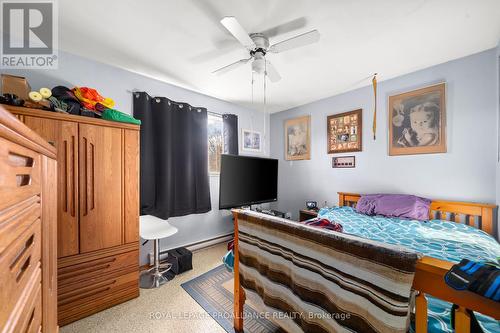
[[230, 130], [174, 157]]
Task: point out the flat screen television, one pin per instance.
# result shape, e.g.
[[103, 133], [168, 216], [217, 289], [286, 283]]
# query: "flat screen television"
[[247, 180]]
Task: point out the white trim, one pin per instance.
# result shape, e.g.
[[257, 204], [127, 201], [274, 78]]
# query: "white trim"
[[210, 242], [203, 243]]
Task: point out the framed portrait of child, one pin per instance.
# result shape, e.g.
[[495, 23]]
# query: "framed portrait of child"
[[417, 121], [298, 138]]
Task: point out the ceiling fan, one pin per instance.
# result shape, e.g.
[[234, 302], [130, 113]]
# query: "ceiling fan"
[[258, 46]]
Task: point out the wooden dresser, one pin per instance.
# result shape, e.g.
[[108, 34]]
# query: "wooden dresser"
[[98, 209], [28, 229]]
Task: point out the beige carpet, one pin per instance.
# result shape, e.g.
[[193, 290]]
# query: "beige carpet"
[[167, 309]]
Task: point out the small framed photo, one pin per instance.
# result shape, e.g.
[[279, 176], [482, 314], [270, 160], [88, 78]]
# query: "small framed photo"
[[251, 140], [344, 162], [344, 132], [417, 121], [298, 138]]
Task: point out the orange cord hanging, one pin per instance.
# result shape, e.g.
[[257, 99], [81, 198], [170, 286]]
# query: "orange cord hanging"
[[374, 82]]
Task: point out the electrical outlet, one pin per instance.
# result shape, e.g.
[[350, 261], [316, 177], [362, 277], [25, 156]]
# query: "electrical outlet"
[[151, 259]]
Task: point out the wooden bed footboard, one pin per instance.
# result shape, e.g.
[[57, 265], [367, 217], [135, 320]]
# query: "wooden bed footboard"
[[430, 272], [239, 293]]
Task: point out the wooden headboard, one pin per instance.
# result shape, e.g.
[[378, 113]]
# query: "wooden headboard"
[[474, 214]]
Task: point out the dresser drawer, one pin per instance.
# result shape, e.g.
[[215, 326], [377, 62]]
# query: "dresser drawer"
[[90, 272], [15, 219], [30, 318], [27, 313], [76, 304], [20, 171], [19, 261]]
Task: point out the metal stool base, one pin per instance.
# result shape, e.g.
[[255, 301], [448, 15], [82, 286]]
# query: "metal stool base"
[[157, 275], [153, 279]]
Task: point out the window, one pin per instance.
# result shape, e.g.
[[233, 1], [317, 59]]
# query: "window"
[[215, 142]]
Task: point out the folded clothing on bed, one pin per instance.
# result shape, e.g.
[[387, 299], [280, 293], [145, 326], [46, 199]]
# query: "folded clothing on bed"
[[324, 224], [394, 205]]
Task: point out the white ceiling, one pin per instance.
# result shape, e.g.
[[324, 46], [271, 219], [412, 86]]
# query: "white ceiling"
[[182, 41]]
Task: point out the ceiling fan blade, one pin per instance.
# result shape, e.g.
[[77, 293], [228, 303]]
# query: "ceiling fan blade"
[[230, 67], [272, 73], [297, 41], [298, 23], [235, 28]]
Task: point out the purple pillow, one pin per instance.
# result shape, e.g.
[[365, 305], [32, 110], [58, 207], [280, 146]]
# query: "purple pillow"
[[394, 205]]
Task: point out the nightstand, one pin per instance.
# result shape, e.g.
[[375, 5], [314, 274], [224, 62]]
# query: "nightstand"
[[306, 214]]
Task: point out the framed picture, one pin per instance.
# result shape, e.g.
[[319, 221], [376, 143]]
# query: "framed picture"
[[251, 140], [417, 121], [298, 138], [344, 132], [344, 162]]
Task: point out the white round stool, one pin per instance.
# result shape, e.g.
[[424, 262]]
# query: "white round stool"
[[154, 228]]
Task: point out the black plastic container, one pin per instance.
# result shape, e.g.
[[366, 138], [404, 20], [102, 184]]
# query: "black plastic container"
[[181, 260]]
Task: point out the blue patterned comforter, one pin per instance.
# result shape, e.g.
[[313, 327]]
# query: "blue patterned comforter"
[[436, 238]]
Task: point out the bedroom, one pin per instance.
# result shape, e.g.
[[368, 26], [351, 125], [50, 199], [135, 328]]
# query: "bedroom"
[[392, 97]]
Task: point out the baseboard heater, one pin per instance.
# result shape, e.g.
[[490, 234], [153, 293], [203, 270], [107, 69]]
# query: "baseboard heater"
[[194, 246]]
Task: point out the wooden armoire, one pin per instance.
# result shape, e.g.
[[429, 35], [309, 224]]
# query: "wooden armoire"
[[98, 209]]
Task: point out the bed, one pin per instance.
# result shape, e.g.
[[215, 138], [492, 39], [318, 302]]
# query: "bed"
[[428, 275]]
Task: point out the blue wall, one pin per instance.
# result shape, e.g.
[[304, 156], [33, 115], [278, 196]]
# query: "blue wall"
[[466, 172]]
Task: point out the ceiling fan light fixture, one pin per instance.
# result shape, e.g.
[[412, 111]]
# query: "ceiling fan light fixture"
[[259, 64]]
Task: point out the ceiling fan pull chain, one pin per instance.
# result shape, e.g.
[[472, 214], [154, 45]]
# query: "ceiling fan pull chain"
[[265, 77], [265, 102], [252, 88]]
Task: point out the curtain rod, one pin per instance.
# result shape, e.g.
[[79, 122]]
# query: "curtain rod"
[[178, 103]]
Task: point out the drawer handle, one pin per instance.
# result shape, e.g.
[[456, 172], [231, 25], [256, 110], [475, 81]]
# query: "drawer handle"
[[30, 322], [29, 242], [86, 270], [96, 264], [23, 180], [19, 160], [85, 295], [85, 289], [23, 269]]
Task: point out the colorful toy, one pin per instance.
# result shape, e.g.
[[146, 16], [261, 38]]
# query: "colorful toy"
[[89, 97]]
